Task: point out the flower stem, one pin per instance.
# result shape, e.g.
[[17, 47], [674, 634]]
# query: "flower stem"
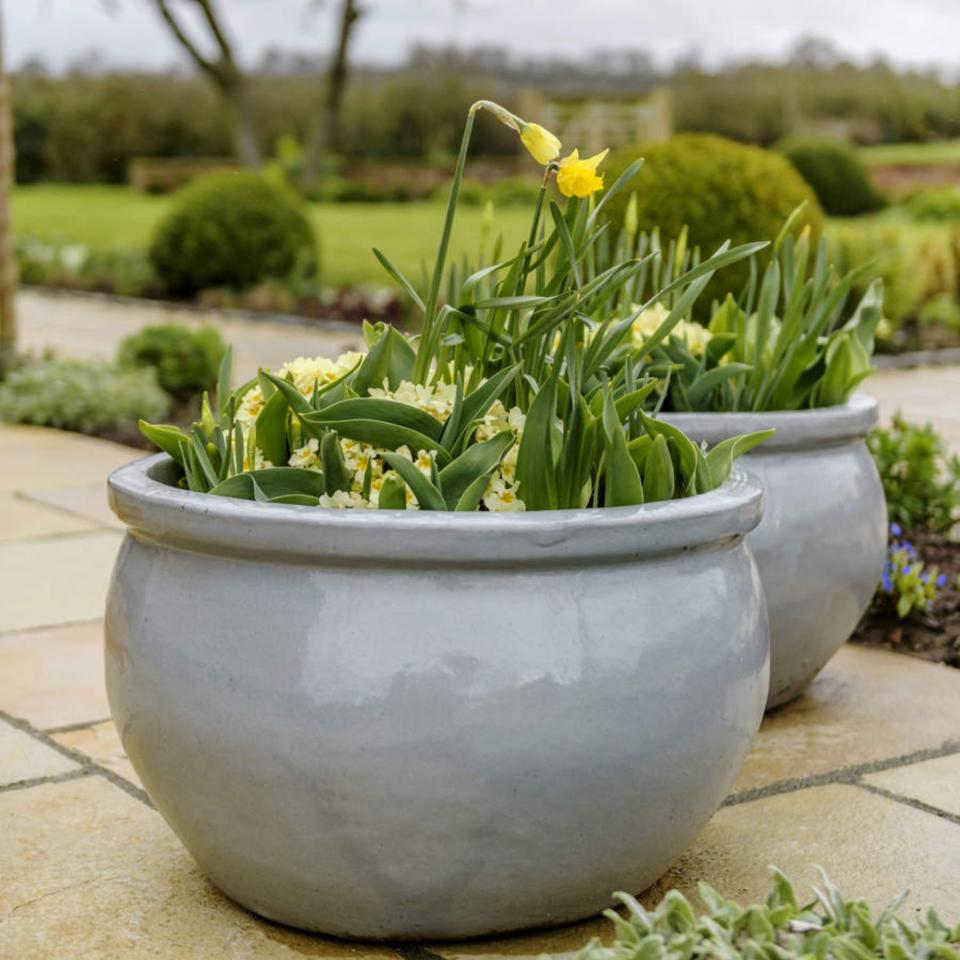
[[421, 368]]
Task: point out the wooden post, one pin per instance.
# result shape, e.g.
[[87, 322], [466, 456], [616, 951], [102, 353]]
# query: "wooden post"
[[8, 263]]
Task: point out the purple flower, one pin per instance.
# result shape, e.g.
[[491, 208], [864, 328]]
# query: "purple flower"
[[896, 530], [942, 580], [910, 549]]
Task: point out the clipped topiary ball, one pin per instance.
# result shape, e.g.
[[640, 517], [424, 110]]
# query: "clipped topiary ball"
[[838, 176], [230, 229], [720, 189]]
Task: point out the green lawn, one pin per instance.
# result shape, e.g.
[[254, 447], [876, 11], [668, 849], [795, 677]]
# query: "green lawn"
[[912, 154], [102, 216]]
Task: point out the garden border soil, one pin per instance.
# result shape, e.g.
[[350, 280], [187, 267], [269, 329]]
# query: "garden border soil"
[[934, 635]]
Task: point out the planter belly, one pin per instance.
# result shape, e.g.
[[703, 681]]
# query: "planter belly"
[[821, 544], [382, 747]]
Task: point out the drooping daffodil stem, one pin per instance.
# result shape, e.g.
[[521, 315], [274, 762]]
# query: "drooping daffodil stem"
[[543, 147]]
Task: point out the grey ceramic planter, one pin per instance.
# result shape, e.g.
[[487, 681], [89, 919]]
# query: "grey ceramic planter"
[[821, 545], [420, 725]]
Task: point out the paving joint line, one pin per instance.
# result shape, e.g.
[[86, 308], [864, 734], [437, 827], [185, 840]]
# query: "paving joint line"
[[95, 531], [85, 761], [31, 498], [850, 775], [909, 802], [40, 781], [73, 727], [47, 626]]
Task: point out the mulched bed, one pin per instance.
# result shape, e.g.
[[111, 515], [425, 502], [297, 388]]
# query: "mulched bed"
[[934, 635]]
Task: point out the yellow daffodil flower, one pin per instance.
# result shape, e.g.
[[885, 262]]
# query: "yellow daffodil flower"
[[579, 178], [541, 143]]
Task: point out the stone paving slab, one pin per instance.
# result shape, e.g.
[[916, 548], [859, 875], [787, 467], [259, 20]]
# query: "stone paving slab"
[[79, 845], [55, 580], [872, 847], [868, 705], [88, 504], [89, 872], [22, 759], [20, 517], [934, 783], [924, 394], [53, 677], [100, 743], [37, 458], [85, 326]]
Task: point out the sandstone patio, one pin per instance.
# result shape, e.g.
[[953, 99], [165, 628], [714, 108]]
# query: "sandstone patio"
[[862, 775]]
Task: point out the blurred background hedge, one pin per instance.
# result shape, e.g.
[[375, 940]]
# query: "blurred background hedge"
[[720, 190]]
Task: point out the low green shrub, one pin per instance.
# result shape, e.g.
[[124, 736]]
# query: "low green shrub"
[[58, 263], [921, 479], [934, 206], [472, 193], [781, 928], [230, 230], [837, 174], [186, 361], [718, 189], [915, 267], [82, 395], [515, 191]]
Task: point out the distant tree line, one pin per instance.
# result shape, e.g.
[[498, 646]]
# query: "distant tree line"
[[87, 126]]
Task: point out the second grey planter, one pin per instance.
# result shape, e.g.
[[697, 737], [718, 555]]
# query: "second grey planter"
[[821, 545], [397, 725]]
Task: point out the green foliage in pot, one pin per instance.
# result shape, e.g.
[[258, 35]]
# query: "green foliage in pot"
[[186, 361], [230, 229], [719, 190], [82, 395], [921, 478], [837, 174], [519, 392], [787, 342], [829, 927]]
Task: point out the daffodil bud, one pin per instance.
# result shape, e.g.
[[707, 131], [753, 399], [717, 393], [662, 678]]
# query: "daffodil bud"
[[542, 145]]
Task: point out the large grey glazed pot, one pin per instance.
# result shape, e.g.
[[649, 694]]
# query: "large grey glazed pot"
[[821, 545], [405, 725]]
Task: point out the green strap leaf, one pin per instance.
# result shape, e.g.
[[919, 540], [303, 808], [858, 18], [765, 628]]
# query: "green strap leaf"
[[536, 476], [272, 482], [389, 436], [475, 463], [622, 484], [393, 494], [659, 479], [372, 408], [428, 496], [720, 458], [272, 430], [400, 278], [335, 474], [170, 439]]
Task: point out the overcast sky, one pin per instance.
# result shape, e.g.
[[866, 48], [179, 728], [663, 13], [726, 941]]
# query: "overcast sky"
[[915, 32]]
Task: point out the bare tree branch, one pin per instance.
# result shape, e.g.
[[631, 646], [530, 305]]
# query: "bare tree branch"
[[224, 72], [325, 133]]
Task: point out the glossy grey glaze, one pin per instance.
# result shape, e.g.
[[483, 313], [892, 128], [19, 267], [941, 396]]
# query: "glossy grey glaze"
[[821, 544], [421, 725]]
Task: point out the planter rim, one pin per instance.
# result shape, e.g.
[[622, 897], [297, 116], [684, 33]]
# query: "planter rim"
[[156, 511], [796, 429]]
